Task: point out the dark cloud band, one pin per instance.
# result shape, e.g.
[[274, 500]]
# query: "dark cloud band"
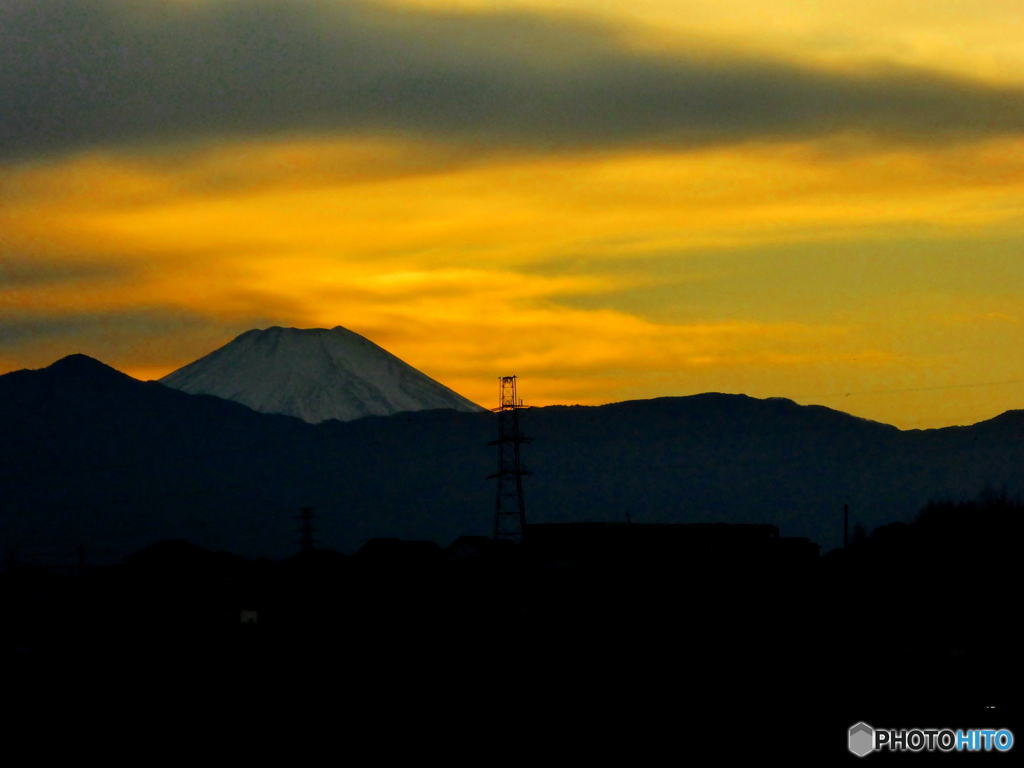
[[23, 330], [37, 339], [76, 74], [30, 271]]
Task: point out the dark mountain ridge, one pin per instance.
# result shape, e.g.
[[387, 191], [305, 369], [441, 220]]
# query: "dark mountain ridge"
[[92, 457]]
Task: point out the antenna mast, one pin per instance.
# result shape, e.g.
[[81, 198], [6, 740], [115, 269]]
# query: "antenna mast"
[[306, 518], [510, 512]]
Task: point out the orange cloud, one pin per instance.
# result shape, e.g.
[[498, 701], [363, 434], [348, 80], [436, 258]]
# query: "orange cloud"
[[443, 256]]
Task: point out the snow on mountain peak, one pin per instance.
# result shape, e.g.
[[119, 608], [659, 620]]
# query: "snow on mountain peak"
[[315, 374]]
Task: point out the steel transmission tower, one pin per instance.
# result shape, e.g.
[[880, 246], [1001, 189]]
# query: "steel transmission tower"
[[510, 512]]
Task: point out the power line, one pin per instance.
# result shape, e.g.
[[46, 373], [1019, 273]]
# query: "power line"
[[913, 389]]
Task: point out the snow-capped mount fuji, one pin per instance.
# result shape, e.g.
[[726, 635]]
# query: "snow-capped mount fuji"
[[315, 374]]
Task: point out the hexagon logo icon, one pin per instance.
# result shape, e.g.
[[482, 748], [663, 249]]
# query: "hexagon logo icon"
[[862, 739]]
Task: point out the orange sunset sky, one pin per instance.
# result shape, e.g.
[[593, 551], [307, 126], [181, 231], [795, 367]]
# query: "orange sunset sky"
[[610, 199]]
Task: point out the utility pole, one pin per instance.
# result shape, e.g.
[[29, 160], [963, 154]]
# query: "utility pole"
[[306, 518], [510, 511]]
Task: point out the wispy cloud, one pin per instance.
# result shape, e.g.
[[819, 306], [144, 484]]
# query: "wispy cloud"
[[21, 271], [121, 337]]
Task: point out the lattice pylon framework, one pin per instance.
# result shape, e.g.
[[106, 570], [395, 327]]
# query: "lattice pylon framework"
[[510, 511]]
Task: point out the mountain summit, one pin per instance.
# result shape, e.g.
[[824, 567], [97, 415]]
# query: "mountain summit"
[[315, 374]]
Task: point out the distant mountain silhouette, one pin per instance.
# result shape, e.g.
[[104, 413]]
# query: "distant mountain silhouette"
[[315, 374], [91, 456]]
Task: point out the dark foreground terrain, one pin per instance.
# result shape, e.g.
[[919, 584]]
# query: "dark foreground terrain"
[[705, 638]]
